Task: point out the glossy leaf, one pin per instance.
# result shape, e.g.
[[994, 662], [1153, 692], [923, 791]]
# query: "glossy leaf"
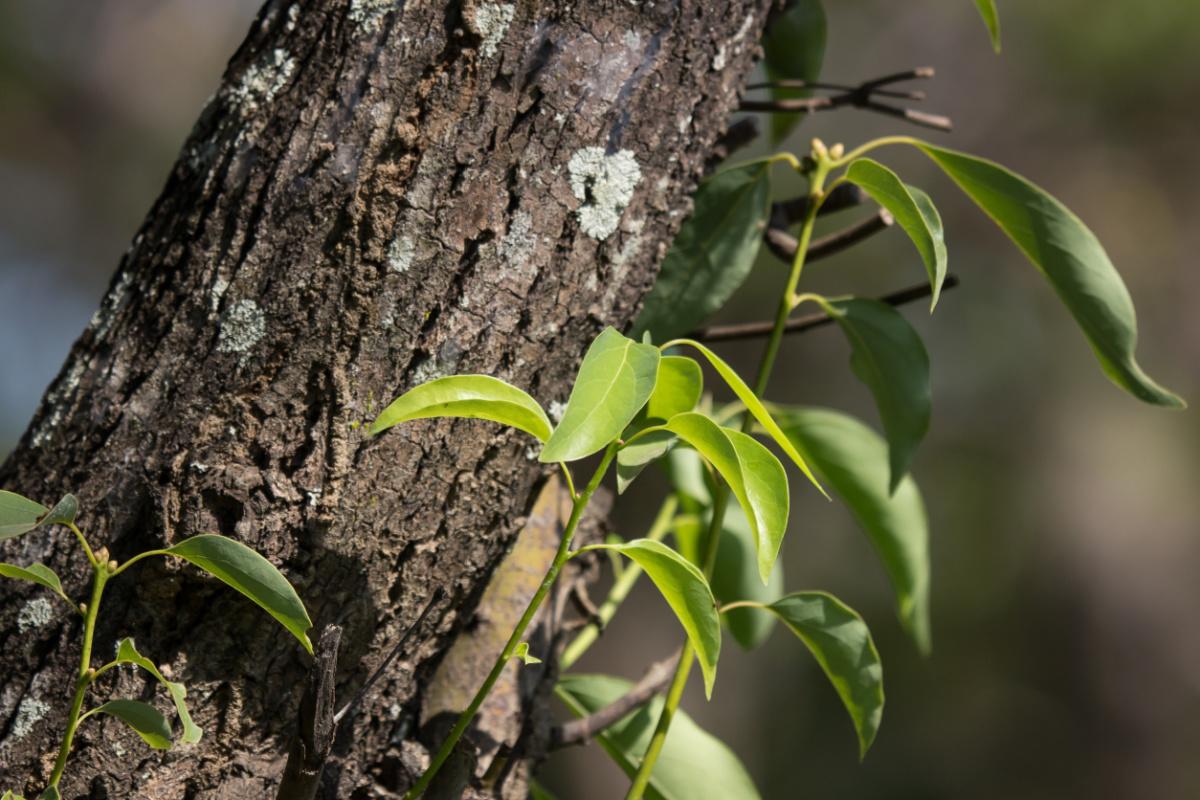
[[63, 513], [522, 652], [473, 396], [991, 18], [18, 514], [686, 591], [736, 577], [794, 48], [1071, 258], [840, 641], [712, 254], [914, 212], [145, 720], [754, 475], [127, 653], [693, 765], [854, 460], [36, 573], [755, 407], [614, 382], [51, 793], [678, 388], [634, 457], [243, 569], [11, 796], [890, 359]]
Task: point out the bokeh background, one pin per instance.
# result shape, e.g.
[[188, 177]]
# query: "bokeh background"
[[1065, 515]]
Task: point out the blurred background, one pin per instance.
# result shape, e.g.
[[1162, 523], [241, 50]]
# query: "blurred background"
[[1065, 515]]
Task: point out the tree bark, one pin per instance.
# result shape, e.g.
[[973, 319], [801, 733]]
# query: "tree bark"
[[378, 193]]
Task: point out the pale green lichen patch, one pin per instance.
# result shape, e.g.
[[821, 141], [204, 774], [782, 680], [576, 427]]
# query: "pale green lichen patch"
[[242, 327], [28, 713], [491, 22], [401, 253], [34, 614], [369, 13], [262, 81], [604, 183]]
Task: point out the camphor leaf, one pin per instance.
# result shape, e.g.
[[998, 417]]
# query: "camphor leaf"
[[915, 212], [633, 458], [754, 475], [987, 10], [18, 514], [683, 586], [242, 568], [678, 388], [713, 252], [794, 48], [63, 513], [840, 641], [694, 764], [127, 653], [51, 793], [36, 573], [474, 396], [736, 577], [890, 359], [615, 380], [854, 459], [11, 796], [754, 406], [521, 651], [144, 719], [1071, 258]]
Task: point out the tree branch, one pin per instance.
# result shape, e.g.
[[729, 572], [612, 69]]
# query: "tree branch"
[[752, 330], [784, 245], [580, 730]]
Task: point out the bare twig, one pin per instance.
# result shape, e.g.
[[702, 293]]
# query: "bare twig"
[[737, 136], [791, 211], [752, 330], [784, 245], [580, 730], [314, 738]]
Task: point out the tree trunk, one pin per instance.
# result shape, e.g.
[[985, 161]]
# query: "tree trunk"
[[379, 193]]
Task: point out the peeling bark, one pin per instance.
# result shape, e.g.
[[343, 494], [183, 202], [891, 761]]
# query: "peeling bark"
[[379, 193]]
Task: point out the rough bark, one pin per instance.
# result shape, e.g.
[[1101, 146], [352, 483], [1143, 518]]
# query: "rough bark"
[[379, 192]]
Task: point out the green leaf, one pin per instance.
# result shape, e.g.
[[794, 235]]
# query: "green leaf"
[[145, 720], [683, 586], [854, 459], [736, 578], [127, 653], [11, 796], [249, 573], [794, 48], [712, 254], [633, 457], [522, 652], [63, 513], [678, 388], [51, 793], [693, 765], [615, 380], [840, 641], [915, 212], [473, 396], [890, 359], [539, 792], [18, 514], [755, 407], [1071, 258], [39, 574], [987, 10], [754, 475]]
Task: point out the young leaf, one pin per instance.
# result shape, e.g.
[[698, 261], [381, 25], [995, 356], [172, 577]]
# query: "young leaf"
[[1068, 255], [694, 765], [987, 10], [915, 212], [754, 475], [63, 513], [615, 380], [11, 796], [474, 396], [684, 588], [794, 49], [854, 459], [712, 254], [678, 388], [144, 719], [890, 359], [39, 574], [18, 514], [522, 652], [633, 457], [249, 573], [840, 641], [50, 793], [127, 653], [736, 578], [755, 407]]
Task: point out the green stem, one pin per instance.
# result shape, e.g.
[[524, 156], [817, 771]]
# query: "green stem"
[[621, 588], [83, 542], [560, 558], [787, 302], [874, 144], [85, 677]]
